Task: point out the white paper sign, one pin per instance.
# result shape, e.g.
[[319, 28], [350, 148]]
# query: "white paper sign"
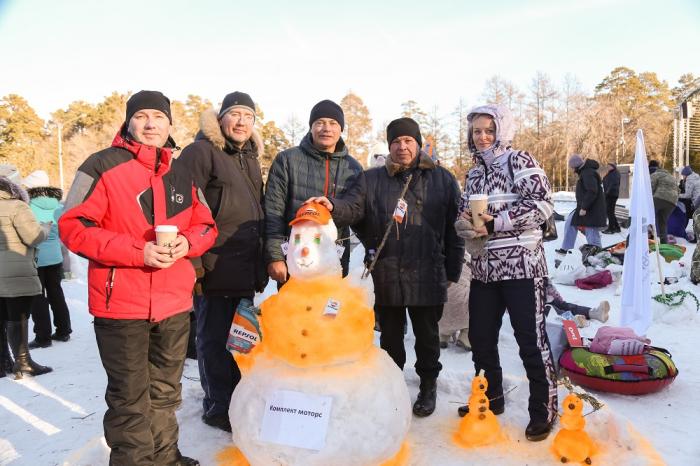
[[332, 308], [400, 210], [340, 249], [285, 247], [296, 419]]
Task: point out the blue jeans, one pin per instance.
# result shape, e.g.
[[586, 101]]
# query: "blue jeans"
[[218, 372], [570, 232]]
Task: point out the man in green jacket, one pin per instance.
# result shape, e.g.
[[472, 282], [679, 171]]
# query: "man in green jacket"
[[664, 189], [319, 166]]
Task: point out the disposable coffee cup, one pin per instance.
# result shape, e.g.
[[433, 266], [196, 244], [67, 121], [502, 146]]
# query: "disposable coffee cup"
[[478, 203], [165, 235]]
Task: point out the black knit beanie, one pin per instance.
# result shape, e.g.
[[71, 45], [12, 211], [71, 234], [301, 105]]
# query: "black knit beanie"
[[236, 99], [143, 100], [403, 127], [327, 109]]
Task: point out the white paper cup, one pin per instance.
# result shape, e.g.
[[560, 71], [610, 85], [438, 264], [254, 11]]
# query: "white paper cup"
[[478, 203], [165, 235]]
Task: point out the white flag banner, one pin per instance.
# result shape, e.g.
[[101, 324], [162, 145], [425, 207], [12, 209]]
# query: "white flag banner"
[[636, 286]]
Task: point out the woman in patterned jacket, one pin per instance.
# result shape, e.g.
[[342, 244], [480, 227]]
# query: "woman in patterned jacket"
[[508, 263]]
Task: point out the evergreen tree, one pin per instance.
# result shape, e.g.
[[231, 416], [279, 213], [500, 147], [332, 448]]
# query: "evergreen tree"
[[22, 135]]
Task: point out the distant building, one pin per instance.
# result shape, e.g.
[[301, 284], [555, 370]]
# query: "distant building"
[[686, 130]]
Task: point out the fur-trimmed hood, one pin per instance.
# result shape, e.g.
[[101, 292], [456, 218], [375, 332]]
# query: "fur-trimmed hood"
[[45, 191], [424, 163], [210, 130], [10, 190]]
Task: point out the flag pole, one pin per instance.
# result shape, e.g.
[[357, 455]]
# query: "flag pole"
[[658, 260]]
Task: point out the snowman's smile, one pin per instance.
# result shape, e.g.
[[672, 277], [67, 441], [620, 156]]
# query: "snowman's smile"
[[305, 264]]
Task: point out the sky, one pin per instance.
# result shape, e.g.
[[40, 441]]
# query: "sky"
[[289, 55]]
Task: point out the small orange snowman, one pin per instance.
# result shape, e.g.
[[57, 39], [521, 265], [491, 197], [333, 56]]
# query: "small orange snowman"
[[479, 426], [572, 443]]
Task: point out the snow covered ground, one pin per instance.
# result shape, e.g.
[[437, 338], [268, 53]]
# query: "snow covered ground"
[[56, 419]]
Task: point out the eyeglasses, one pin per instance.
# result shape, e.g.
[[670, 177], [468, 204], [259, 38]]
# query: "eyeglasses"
[[247, 118]]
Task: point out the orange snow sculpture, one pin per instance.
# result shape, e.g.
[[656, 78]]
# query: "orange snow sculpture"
[[296, 330], [572, 443], [479, 426]]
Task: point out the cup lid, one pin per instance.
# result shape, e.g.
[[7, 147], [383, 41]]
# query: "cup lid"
[[167, 228]]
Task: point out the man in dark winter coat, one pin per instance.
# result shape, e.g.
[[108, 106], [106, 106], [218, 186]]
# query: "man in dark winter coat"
[[140, 293], [224, 163], [664, 191], [319, 166], [589, 213], [611, 187], [422, 252]]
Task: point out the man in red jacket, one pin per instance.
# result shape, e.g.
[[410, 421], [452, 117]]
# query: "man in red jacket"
[[140, 293]]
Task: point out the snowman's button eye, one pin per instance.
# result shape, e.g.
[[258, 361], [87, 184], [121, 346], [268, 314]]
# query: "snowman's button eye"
[[317, 239], [297, 239]]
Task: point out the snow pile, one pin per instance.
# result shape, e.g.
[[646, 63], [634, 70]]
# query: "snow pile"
[[370, 415]]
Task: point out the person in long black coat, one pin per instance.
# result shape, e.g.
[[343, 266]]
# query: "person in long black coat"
[[422, 254], [611, 187], [589, 214]]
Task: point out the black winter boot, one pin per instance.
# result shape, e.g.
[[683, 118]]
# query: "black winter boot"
[[6, 361], [538, 430], [425, 402], [186, 461], [17, 335]]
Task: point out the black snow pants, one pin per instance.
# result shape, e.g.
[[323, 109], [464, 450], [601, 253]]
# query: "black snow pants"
[[524, 299], [144, 362]]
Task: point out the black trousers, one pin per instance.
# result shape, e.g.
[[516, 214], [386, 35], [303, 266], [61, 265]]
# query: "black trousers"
[[144, 363], [610, 207], [524, 300], [663, 210], [424, 320], [15, 309], [52, 295], [218, 371]]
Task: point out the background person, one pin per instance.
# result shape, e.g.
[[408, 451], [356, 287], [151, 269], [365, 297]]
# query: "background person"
[[664, 191], [611, 187], [20, 233], [590, 212], [45, 202]]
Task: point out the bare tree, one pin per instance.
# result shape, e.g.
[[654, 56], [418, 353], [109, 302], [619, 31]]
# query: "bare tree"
[[294, 129]]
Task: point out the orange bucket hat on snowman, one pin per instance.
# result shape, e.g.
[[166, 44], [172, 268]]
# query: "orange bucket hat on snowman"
[[314, 212]]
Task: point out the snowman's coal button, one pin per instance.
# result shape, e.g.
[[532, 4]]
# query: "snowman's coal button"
[[308, 308], [303, 355], [304, 332]]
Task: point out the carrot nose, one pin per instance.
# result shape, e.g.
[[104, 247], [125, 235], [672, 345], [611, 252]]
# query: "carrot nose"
[[304, 252]]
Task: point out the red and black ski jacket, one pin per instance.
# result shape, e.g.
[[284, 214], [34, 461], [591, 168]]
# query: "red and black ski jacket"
[[117, 198]]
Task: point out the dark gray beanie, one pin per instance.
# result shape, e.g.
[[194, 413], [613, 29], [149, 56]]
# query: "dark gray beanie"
[[403, 127], [327, 109], [144, 100], [236, 99]]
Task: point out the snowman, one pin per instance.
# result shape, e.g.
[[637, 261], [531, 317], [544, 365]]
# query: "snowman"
[[316, 391], [572, 443], [480, 426]]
